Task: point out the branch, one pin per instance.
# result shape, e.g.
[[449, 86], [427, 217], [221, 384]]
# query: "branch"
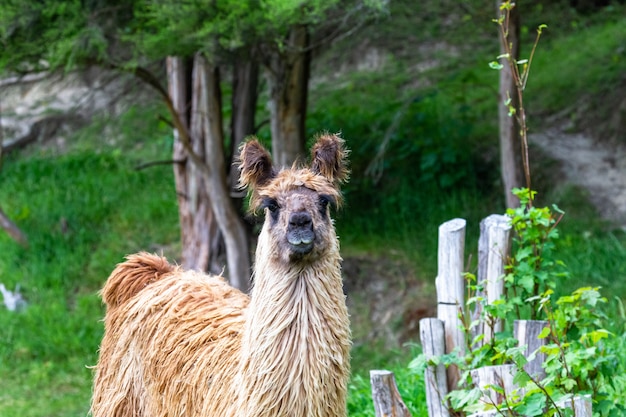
[[24, 78], [155, 163], [184, 136], [13, 230], [375, 167]]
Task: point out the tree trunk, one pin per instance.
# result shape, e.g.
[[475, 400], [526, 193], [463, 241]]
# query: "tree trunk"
[[244, 101], [200, 238], [385, 395], [510, 138], [207, 107], [288, 83]]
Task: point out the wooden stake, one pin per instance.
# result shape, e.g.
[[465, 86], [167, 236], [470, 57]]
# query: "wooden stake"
[[451, 289], [433, 344], [493, 249], [581, 404], [494, 376], [526, 332], [387, 399]]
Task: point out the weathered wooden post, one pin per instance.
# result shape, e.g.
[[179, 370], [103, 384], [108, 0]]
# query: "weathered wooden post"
[[450, 285], [494, 376], [580, 404], [526, 332], [433, 344], [493, 249], [387, 399]]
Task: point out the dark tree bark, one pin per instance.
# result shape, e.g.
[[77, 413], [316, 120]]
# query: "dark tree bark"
[[200, 238], [207, 106], [288, 75], [510, 138], [244, 101], [210, 223]]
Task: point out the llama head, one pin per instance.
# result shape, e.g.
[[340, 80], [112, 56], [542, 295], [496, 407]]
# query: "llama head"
[[296, 201]]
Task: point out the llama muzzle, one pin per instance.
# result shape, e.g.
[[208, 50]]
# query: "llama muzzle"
[[300, 234]]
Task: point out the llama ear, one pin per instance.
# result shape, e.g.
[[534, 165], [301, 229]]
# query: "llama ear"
[[255, 164], [329, 158]]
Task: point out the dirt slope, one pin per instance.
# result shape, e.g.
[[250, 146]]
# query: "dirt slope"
[[596, 166]]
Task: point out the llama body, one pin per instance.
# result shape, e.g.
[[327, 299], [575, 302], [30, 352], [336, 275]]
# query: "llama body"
[[184, 343]]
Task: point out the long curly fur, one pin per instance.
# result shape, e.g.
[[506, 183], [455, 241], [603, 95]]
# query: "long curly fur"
[[183, 343]]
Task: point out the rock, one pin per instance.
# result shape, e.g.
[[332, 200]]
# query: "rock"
[[13, 300]]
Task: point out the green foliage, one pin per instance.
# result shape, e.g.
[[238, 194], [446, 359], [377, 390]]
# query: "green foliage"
[[583, 350], [532, 270], [436, 163], [72, 34], [374, 356], [170, 27], [42, 35], [581, 354], [558, 63]]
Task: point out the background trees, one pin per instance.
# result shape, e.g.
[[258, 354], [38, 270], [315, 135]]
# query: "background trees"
[[510, 137], [201, 42]]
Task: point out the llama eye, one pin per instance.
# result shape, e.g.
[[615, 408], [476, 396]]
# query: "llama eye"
[[270, 204], [324, 201]]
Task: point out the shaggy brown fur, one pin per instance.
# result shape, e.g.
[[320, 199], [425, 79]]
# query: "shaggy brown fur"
[[182, 343]]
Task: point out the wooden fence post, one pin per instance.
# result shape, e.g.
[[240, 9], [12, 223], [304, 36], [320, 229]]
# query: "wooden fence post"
[[580, 404], [387, 399], [494, 376], [433, 344], [493, 249], [450, 286], [526, 332]]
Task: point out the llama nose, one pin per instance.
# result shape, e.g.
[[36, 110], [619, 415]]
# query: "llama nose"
[[301, 219], [300, 234]]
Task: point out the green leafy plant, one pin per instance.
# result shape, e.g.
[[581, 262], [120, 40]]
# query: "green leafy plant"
[[532, 269], [581, 356]]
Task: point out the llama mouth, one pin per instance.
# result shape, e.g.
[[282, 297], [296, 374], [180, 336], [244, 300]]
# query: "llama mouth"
[[301, 242]]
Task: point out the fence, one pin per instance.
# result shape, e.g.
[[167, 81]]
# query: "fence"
[[444, 333]]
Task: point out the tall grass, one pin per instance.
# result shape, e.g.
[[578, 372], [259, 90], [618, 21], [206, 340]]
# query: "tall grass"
[[82, 212], [584, 65]]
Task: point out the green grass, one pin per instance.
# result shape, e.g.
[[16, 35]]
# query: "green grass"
[[410, 385], [585, 65], [82, 212]]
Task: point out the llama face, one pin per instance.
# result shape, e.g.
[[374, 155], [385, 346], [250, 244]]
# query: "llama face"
[[298, 220], [296, 201]]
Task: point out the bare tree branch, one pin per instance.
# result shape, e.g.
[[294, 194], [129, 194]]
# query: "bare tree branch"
[[155, 163], [13, 231]]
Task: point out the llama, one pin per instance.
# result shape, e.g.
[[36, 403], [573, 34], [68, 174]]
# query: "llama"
[[183, 343]]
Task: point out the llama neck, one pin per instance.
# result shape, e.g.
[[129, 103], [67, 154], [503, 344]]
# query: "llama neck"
[[295, 347]]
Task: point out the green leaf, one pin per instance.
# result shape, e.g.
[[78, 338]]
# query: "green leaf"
[[544, 333], [532, 405], [523, 253], [495, 65], [597, 335], [459, 399], [418, 364], [568, 383], [521, 379]]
